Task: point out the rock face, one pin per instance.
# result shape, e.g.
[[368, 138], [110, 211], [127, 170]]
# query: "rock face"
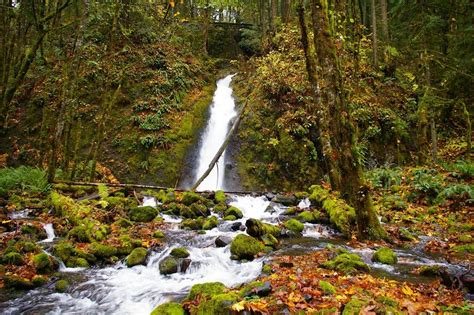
[[137, 257], [385, 256], [223, 241], [245, 247], [168, 265]]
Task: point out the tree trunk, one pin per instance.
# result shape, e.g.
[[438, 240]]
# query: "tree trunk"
[[384, 15], [374, 34], [353, 188]]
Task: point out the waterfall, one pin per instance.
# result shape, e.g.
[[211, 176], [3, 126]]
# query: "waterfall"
[[222, 112]]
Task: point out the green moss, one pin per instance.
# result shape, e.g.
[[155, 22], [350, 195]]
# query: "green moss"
[[290, 211], [257, 228], [294, 226], [102, 251], [267, 269], [210, 223], [64, 251], [190, 197], [206, 289], [168, 265], [347, 263], [353, 307], [16, 282], [44, 263], [123, 223], [77, 262], [79, 234], [468, 248], [191, 224], [38, 280], [326, 287], [136, 257], [234, 211], [309, 216], [220, 197], [247, 288], [245, 247], [466, 238], [142, 214], [26, 247], [12, 258], [385, 256], [230, 218], [33, 231], [405, 235], [158, 234], [199, 210], [61, 286], [269, 240], [387, 301], [179, 252], [219, 304], [170, 308], [220, 208]]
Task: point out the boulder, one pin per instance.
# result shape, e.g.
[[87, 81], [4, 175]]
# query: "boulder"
[[257, 228], [385, 255], [137, 257], [168, 265], [142, 214], [170, 308], [223, 241], [245, 247], [179, 252]]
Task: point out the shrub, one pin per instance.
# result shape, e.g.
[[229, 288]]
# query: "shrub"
[[384, 177], [459, 192], [24, 178]]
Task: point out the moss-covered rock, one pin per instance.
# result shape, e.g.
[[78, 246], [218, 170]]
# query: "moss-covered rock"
[[257, 228], [220, 197], [79, 234], [192, 224], [467, 248], [230, 218], [245, 247], [137, 257], [44, 263], [210, 223], [206, 289], [26, 247], [199, 210], [168, 265], [179, 252], [269, 240], [353, 307], [123, 223], [347, 263], [290, 211], [62, 286], [158, 234], [220, 208], [77, 262], [309, 216], [326, 287], [406, 235], [170, 308], [38, 280], [102, 251], [294, 225], [12, 258], [142, 214], [64, 251], [219, 304], [385, 256], [16, 282], [34, 231], [187, 212], [234, 211], [286, 200], [189, 198]]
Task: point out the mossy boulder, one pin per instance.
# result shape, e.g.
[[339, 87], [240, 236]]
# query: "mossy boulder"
[[257, 228], [290, 211], [170, 308], [187, 212], [79, 234], [326, 287], [123, 223], [16, 282], [168, 265], [64, 251], [26, 247], [294, 226], [199, 210], [309, 216], [62, 286], [179, 252], [220, 208], [77, 262], [245, 247], [44, 263], [432, 271], [269, 240], [189, 198], [137, 257], [385, 255], [207, 289], [219, 304], [102, 251], [354, 307], [234, 211], [158, 234], [38, 280], [230, 218], [192, 224], [347, 263], [210, 223], [142, 214], [220, 197], [286, 200], [12, 258], [34, 231]]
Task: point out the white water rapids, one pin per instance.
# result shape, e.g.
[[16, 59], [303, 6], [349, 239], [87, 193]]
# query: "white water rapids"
[[221, 114]]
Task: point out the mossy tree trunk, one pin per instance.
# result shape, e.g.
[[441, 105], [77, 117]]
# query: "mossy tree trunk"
[[345, 165]]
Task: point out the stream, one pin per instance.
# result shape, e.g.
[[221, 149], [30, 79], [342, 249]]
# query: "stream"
[[138, 290]]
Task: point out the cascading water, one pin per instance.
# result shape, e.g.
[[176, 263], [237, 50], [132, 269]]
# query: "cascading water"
[[221, 115]]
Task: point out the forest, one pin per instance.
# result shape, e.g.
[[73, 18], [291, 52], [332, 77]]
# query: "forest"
[[236, 157]]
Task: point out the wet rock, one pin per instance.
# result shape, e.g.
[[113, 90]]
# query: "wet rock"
[[142, 214], [185, 265], [432, 271], [61, 286], [263, 290], [237, 226], [286, 200], [179, 252], [270, 196], [168, 265], [223, 241], [170, 308], [245, 247], [385, 255], [192, 224], [199, 210], [137, 257], [308, 297]]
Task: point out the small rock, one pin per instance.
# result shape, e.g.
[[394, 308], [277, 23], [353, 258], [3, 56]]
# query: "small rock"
[[185, 264], [223, 241], [263, 290], [308, 297], [286, 200], [168, 265], [237, 226]]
